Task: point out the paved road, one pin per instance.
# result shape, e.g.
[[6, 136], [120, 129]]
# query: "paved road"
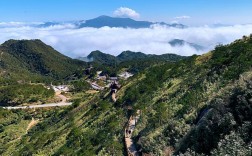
[[60, 104], [40, 106]]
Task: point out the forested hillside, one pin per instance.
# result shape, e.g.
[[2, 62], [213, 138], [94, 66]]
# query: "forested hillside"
[[33, 60], [198, 105], [24, 63], [134, 62], [110, 60]]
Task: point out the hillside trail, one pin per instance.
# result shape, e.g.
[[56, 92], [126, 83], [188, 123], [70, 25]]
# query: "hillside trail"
[[131, 147], [31, 124], [114, 97]]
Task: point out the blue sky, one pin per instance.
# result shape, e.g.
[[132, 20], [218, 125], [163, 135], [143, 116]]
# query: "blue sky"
[[200, 11]]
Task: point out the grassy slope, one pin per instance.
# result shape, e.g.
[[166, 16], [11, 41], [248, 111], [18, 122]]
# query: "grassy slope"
[[14, 123], [92, 127]]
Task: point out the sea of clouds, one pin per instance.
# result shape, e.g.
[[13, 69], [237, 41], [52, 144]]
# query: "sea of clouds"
[[75, 42]]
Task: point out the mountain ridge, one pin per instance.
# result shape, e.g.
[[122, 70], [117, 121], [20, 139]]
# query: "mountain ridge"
[[103, 58], [104, 20]]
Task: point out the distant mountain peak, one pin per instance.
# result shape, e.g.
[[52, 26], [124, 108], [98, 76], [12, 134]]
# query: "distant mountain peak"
[[123, 22], [180, 42], [129, 55], [95, 53], [177, 42], [104, 20], [103, 16], [110, 17]]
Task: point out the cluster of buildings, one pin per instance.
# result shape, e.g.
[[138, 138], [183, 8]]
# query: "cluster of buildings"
[[109, 81], [100, 83]]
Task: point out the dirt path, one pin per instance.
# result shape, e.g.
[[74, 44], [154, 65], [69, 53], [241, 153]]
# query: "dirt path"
[[62, 97], [31, 124], [114, 97], [131, 147]]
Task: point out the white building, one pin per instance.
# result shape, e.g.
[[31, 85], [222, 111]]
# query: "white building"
[[125, 75], [96, 86], [62, 88]]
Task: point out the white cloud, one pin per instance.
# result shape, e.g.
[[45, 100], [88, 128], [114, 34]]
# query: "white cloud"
[[80, 42], [126, 12], [182, 17]]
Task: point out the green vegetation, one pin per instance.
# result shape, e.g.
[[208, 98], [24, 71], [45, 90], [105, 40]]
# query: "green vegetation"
[[32, 60], [79, 85], [16, 94], [200, 105], [101, 58], [134, 62], [90, 127], [176, 96], [14, 124], [25, 63]]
